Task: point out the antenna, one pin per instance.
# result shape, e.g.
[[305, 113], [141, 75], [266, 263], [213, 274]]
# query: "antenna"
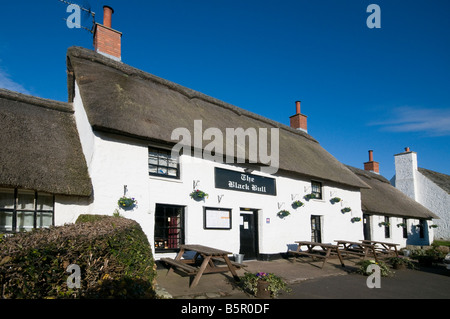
[[89, 11]]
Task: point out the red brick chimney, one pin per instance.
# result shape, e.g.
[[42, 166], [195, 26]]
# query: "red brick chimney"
[[298, 121], [371, 165], [107, 41]]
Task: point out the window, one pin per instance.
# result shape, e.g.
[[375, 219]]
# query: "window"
[[387, 228], [405, 229], [23, 210], [169, 227], [316, 189], [161, 163]]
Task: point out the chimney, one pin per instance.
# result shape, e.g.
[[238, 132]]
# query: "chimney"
[[371, 165], [107, 41], [406, 176], [298, 121]]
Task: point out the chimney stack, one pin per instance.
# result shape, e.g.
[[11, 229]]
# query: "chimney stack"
[[299, 121], [371, 165], [107, 41]]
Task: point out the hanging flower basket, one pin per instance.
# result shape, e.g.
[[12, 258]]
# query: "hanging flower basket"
[[297, 204], [401, 225], [433, 226], [283, 213], [335, 200], [310, 196], [126, 202], [386, 224], [355, 219], [346, 210], [198, 194]]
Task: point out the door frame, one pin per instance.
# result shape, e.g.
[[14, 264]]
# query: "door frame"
[[255, 213], [367, 226], [317, 218]]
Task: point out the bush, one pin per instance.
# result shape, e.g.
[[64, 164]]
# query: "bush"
[[249, 282], [426, 257], [113, 254], [384, 268]]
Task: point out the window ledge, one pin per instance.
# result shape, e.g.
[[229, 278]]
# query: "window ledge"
[[165, 179]]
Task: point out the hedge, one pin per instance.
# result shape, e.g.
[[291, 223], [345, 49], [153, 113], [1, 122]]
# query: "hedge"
[[113, 254]]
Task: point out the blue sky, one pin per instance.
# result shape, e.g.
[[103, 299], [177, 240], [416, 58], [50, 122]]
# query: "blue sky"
[[381, 89]]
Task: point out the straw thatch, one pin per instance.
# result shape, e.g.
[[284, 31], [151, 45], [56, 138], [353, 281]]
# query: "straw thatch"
[[440, 179], [40, 146], [128, 101], [384, 199]]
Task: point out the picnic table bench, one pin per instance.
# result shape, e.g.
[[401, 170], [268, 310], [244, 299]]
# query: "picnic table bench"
[[356, 248], [324, 253], [210, 258], [383, 248]]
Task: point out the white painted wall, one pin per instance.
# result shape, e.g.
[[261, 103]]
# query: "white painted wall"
[[396, 233], [438, 201], [119, 161], [417, 186]]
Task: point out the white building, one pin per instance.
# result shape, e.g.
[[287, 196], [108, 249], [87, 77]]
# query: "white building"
[[429, 188], [388, 214], [115, 138]]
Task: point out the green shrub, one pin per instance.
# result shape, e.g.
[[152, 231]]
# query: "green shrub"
[[427, 257], [83, 218], [113, 254], [249, 283], [384, 268]]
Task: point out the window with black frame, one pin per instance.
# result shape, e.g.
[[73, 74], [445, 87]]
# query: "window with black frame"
[[162, 163], [405, 228], [387, 227], [169, 227], [316, 189], [24, 210]]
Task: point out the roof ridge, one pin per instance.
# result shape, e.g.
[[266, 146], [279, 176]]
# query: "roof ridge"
[[37, 101], [84, 53]]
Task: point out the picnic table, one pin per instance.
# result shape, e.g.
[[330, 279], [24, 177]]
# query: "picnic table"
[[356, 248], [208, 263], [325, 251], [386, 249]]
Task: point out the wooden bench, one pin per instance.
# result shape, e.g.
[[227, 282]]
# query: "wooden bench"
[[205, 264], [356, 248], [188, 269], [325, 252]]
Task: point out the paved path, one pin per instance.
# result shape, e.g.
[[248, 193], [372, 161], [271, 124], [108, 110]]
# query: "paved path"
[[308, 281], [427, 283]]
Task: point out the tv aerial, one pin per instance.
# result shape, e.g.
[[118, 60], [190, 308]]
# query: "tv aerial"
[[82, 13]]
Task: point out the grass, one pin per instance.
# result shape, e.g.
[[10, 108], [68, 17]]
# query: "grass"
[[441, 243]]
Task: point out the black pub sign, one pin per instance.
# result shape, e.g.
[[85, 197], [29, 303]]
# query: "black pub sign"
[[243, 182]]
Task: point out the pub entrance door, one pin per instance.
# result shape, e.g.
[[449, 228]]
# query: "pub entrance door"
[[249, 233]]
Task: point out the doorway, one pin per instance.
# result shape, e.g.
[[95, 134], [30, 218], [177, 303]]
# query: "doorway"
[[316, 229], [366, 227], [248, 230]]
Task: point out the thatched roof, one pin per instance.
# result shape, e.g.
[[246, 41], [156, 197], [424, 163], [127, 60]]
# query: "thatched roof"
[[128, 101], [40, 146], [384, 199], [440, 179]]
